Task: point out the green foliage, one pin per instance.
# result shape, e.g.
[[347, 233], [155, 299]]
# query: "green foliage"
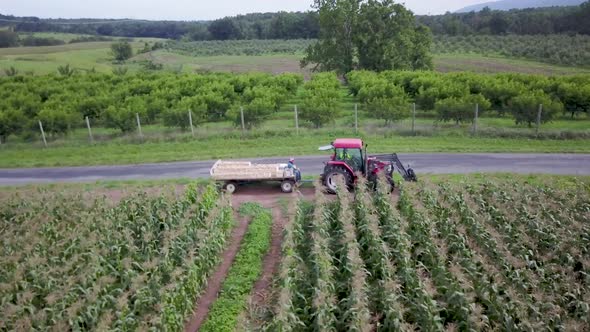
[[461, 109], [321, 100], [240, 47], [120, 70], [11, 71], [389, 39], [525, 108], [245, 270], [424, 261], [152, 257], [121, 51], [66, 70], [530, 21], [123, 116], [57, 120], [151, 65], [562, 49], [178, 116], [375, 35], [575, 97], [113, 99], [8, 38], [255, 112], [384, 100], [12, 122]]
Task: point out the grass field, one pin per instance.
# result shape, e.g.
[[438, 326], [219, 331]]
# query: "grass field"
[[85, 56], [46, 59]]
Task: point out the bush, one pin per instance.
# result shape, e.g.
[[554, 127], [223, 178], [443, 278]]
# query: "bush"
[[387, 102], [121, 51], [255, 112], [460, 109], [124, 117], [57, 120], [11, 122], [178, 116], [525, 108], [321, 100]]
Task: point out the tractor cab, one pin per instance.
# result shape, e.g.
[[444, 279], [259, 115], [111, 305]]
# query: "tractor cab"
[[348, 153], [349, 159]]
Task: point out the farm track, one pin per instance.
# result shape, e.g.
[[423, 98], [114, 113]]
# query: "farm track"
[[267, 197], [423, 163], [216, 280]]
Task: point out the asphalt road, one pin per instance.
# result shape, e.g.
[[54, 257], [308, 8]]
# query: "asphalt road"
[[564, 164]]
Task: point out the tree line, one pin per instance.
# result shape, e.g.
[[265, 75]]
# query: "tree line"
[[538, 21], [389, 94], [306, 25], [9, 38], [62, 102]]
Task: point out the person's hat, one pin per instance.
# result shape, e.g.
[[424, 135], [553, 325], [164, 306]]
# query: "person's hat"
[[291, 159]]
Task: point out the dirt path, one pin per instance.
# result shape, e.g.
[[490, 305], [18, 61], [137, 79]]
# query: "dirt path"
[[270, 198], [270, 264], [216, 280]]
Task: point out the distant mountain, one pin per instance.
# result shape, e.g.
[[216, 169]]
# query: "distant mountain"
[[520, 4]]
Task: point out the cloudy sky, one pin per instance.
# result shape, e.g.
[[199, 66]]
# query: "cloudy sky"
[[185, 9]]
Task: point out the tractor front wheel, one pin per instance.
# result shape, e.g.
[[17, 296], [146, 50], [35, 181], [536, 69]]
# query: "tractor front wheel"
[[330, 181]]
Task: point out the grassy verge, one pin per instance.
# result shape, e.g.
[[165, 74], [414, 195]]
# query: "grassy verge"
[[252, 147], [244, 272]]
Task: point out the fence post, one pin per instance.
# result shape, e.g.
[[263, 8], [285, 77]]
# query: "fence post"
[[139, 125], [242, 116], [539, 119], [414, 119], [89, 130], [356, 118], [42, 133], [190, 121], [476, 118], [296, 120]]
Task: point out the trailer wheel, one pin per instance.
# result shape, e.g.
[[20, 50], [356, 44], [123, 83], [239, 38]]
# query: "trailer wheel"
[[230, 187], [287, 186]]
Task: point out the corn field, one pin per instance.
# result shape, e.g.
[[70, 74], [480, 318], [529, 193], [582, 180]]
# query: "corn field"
[[476, 256], [74, 262]]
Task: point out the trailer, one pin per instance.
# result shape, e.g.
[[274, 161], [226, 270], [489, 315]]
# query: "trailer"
[[233, 173]]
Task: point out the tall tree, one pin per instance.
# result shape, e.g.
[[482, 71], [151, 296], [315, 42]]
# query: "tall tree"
[[335, 49], [374, 34], [390, 39]]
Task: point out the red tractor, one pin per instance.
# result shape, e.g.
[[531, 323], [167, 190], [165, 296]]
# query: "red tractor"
[[349, 159]]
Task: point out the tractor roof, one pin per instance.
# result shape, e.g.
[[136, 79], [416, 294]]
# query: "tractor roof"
[[348, 143]]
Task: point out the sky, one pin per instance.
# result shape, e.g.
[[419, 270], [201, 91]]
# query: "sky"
[[190, 10]]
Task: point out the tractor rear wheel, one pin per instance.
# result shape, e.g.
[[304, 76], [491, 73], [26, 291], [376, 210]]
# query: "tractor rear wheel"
[[330, 181]]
